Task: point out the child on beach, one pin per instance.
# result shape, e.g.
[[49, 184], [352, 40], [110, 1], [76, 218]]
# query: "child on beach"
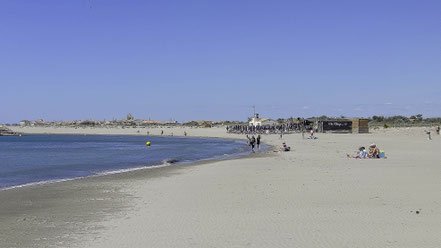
[[311, 134], [285, 148], [362, 153]]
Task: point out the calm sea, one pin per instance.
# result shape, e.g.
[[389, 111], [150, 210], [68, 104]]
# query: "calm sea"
[[40, 158]]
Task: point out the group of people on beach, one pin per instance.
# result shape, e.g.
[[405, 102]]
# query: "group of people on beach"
[[266, 129], [253, 142], [171, 134], [429, 137], [374, 152]]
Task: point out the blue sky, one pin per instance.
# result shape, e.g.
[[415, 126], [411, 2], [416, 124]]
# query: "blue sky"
[[213, 60]]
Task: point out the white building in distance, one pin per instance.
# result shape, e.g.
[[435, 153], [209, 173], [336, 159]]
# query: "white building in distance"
[[256, 121]]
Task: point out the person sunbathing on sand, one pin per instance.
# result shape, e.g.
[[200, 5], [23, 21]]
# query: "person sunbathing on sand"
[[285, 148], [374, 152], [362, 153]]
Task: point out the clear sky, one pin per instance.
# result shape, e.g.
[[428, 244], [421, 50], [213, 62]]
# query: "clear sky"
[[213, 60]]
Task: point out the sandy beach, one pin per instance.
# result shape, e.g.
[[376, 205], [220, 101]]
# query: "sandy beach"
[[313, 196]]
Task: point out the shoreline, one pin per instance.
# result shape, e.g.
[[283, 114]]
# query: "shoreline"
[[237, 155], [96, 211]]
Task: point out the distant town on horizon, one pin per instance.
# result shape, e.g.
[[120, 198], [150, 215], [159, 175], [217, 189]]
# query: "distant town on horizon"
[[130, 120]]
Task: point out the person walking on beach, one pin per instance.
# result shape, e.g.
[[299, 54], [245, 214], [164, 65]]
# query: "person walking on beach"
[[303, 131], [428, 135], [162, 132], [148, 133], [185, 133], [258, 142], [437, 130]]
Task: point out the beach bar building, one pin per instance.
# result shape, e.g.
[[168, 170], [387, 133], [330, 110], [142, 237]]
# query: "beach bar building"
[[333, 126], [360, 125]]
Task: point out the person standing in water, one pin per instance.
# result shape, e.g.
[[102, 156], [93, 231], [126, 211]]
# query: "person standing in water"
[[252, 143]]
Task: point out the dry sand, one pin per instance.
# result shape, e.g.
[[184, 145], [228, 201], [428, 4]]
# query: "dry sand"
[[312, 196]]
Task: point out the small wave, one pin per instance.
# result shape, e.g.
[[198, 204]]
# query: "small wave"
[[166, 162], [103, 173], [40, 183], [170, 161]]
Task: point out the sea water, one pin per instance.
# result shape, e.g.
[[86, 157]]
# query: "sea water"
[[41, 158]]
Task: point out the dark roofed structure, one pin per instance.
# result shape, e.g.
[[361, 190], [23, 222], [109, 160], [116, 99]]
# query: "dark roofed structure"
[[332, 125], [341, 125]]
